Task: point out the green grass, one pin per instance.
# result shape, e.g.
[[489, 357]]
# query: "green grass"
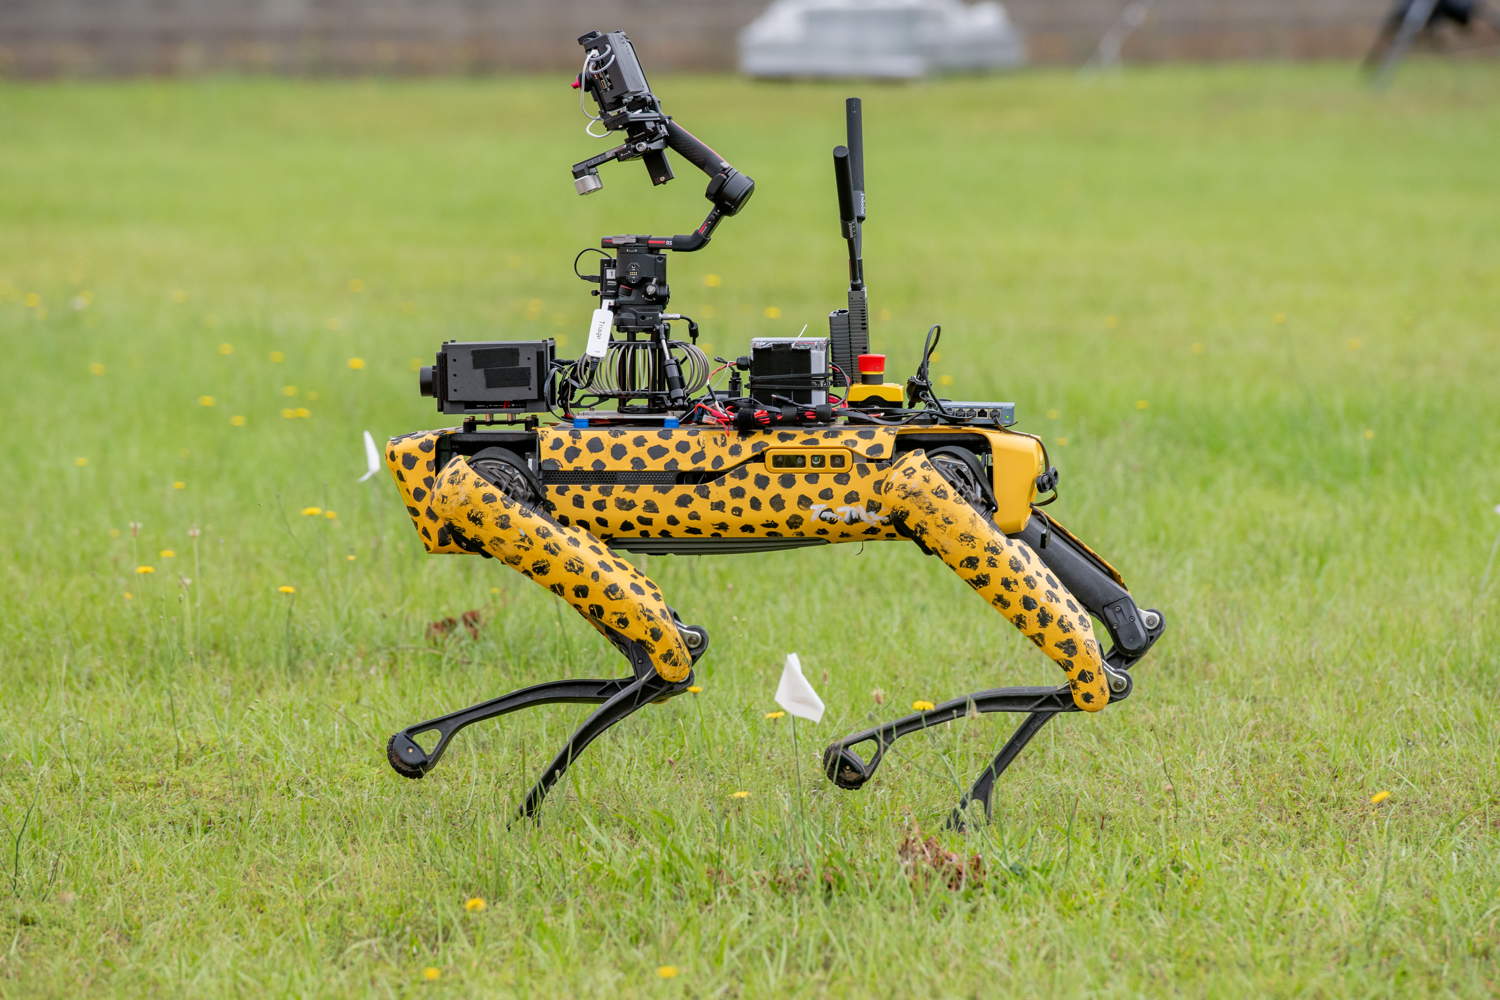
[[1252, 309]]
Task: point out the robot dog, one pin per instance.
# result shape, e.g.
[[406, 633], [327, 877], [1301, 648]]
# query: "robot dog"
[[560, 462]]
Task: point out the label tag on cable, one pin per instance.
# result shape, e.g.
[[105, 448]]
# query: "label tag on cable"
[[600, 326]]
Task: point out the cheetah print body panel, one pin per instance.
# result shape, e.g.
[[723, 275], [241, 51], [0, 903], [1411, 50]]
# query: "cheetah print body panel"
[[693, 448], [1004, 571], [745, 498], [412, 459], [747, 502], [610, 593]]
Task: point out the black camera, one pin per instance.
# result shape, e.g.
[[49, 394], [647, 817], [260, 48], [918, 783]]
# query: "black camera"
[[497, 376], [612, 75]]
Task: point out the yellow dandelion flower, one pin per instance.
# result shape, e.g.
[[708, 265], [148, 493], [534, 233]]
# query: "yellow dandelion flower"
[[80, 461], [667, 971], [1354, 343], [179, 485], [169, 553], [289, 390], [237, 420], [474, 904], [333, 324], [1369, 434], [922, 706], [350, 558], [1143, 404], [740, 795], [414, 364], [33, 300], [1063, 441], [945, 379], [226, 349], [771, 312], [311, 511], [114, 532], [774, 715], [494, 590], [288, 414], [1111, 321], [96, 368], [712, 280], [356, 364], [1379, 797], [145, 570], [302, 413], [332, 515], [206, 401], [276, 357], [179, 296], [129, 596], [1279, 318], [695, 689], [885, 314], [1197, 348], [432, 973], [286, 588], [356, 284]]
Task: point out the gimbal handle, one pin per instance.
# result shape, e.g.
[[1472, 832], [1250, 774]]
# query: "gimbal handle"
[[695, 150]]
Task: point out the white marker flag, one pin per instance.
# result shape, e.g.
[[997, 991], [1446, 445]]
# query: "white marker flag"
[[372, 458], [796, 695]]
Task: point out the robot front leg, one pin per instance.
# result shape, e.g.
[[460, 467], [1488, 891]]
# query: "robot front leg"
[[611, 594], [1031, 579]]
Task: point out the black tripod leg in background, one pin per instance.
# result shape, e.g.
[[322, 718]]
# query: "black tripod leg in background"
[[1412, 20]]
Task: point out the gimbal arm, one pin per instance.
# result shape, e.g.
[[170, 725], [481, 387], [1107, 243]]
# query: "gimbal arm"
[[612, 75], [728, 189]]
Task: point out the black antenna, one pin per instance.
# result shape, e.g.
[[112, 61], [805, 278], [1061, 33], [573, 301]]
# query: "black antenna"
[[843, 178], [856, 134], [849, 329]]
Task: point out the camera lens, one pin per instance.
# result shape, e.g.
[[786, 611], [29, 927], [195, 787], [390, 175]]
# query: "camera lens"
[[424, 381]]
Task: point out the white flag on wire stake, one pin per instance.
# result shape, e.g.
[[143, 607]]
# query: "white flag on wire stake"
[[796, 695], [372, 458]]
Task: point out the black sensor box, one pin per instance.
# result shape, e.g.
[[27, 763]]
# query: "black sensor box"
[[490, 376], [792, 367]]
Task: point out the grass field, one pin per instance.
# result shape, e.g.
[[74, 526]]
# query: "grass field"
[[1254, 311]]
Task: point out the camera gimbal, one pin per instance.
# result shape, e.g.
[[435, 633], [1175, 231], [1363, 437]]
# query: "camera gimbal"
[[613, 76]]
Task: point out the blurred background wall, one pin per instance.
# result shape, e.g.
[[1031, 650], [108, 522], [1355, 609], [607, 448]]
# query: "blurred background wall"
[[40, 38]]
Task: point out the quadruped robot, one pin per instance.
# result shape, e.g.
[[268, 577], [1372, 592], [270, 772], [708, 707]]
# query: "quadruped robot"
[[560, 462]]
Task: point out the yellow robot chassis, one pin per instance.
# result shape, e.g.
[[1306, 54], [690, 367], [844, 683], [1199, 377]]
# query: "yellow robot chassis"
[[679, 466]]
